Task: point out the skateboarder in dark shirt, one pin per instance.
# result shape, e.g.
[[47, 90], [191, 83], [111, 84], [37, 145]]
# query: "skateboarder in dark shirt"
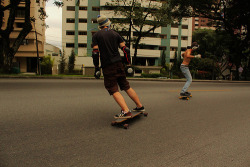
[[105, 44]]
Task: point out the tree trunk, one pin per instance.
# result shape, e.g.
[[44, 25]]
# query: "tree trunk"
[[136, 48]]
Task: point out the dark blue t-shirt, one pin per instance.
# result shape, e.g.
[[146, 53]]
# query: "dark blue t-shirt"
[[108, 42]]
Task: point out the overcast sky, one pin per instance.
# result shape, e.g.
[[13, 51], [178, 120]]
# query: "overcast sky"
[[54, 21]]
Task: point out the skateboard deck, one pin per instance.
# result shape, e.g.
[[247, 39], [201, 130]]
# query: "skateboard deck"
[[185, 97], [122, 120]]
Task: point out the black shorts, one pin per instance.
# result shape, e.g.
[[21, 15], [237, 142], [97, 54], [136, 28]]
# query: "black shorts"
[[115, 75]]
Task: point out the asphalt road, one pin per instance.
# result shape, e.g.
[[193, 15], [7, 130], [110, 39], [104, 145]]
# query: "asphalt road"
[[66, 123]]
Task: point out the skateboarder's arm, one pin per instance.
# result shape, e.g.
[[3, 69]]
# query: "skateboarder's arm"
[[196, 56], [189, 54], [192, 56], [126, 51], [95, 56]]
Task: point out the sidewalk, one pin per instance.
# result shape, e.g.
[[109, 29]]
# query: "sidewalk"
[[133, 79]]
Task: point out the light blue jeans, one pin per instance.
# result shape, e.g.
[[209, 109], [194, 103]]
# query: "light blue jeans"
[[188, 76]]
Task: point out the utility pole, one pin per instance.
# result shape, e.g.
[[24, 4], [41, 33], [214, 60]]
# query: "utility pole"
[[38, 72]]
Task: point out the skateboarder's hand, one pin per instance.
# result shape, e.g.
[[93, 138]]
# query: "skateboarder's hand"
[[198, 56], [97, 73], [129, 69]]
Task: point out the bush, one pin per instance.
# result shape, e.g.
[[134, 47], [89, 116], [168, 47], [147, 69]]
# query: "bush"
[[152, 75], [15, 70], [46, 65]]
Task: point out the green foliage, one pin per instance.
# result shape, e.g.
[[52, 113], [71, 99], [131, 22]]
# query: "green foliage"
[[62, 62], [46, 65], [204, 68], [71, 64], [215, 49], [163, 59]]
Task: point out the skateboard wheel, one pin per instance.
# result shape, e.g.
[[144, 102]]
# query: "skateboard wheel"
[[145, 114], [187, 98], [113, 123], [125, 126]]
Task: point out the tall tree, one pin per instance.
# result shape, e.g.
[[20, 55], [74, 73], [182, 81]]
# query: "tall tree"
[[62, 62], [71, 64], [231, 16], [214, 46], [143, 17], [8, 49]]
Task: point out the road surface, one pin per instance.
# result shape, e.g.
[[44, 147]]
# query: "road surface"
[[66, 123]]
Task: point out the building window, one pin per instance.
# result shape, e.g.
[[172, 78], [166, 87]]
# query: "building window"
[[70, 32], [173, 48], [152, 35], [95, 8], [82, 20], [174, 25], [20, 13], [82, 45], [108, 7], [82, 32], [19, 25], [174, 36], [70, 45], [70, 20], [25, 42], [83, 8], [70, 8], [184, 26], [162, 48], [150, 47], [163, 36], [184, 38]]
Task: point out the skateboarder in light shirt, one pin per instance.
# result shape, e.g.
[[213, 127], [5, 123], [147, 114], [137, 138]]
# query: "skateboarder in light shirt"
[[185, 69], [105, 45]]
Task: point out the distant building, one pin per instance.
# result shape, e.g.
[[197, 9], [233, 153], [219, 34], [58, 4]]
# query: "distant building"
[[26, 57], [79, 24], [51, 50], [202, 23], [54, 53]]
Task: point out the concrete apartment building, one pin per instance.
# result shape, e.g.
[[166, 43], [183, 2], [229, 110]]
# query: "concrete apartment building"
[[79, 23], [26, 57]]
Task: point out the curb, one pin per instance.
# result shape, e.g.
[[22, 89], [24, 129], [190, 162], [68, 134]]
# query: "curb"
[[132, 79]]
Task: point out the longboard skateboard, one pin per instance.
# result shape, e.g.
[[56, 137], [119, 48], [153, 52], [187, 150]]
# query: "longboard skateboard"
[[185, 97], [122, 120]]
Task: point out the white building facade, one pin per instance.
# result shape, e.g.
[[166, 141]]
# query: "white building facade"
[[79, 24]]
